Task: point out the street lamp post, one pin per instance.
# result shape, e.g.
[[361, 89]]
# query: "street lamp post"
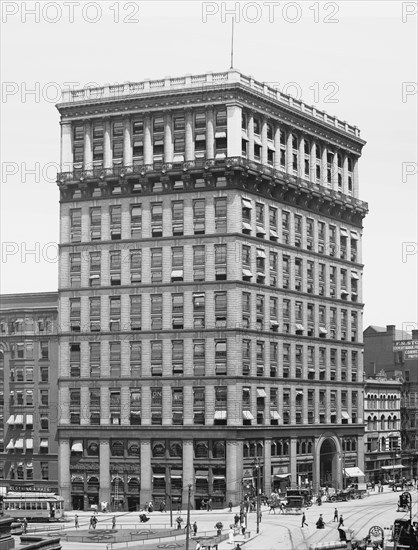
[[257, 467], [188, 518]]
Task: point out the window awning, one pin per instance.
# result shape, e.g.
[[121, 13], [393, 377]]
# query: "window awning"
[[44, 444], [76, 447], [11, 420], [353, 472], [29, 444], [261, 253], [343, 232], [344, 292], [247, 273], [29, 419], [257, 140], [246, 226], [323, 330], [220, 135], [220, 415], [354, 235], [200, 137], [274, 415], [175, 476], [247, 415], [19, 443], [271, 147], [261, 392], [354, 275], [281, 476], [394, 467], [273, 233], [19, 419], [218, 477], [260, 229], [201, 476], [246, 203], [299, 392], [345, 415], [177, 273], [299, 327], [94, 276], [10, 445], [158, 476]]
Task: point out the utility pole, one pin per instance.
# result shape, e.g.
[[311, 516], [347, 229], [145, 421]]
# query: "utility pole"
[[258, 508], [188, 518]]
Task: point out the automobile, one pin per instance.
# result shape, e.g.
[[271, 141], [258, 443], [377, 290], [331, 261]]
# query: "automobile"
[[305, 494], [341, 496]]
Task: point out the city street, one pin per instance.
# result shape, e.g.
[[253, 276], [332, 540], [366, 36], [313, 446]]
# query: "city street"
[[277, 531]]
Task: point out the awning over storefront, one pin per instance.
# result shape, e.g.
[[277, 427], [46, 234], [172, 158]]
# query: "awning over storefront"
[[29, 444], [394, 467], [353, 472], [220, 415], [19, 443], [274, 415], [281, 476], [19, 419], [10, 445], [247, 415]]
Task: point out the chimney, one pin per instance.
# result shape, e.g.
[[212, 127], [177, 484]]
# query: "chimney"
[[390, 330]]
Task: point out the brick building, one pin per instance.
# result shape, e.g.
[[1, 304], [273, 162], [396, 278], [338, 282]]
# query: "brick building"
[[29, 391], [210, 291], [385, 349]]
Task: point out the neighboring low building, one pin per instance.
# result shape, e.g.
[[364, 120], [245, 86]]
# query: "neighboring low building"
[[396, 352], [28, 391], [382, 411]]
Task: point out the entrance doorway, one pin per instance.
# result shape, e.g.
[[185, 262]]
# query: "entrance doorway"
[[328, 464]]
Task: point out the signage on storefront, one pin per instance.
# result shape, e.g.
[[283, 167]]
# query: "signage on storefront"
[[277, 470], [33, 488]]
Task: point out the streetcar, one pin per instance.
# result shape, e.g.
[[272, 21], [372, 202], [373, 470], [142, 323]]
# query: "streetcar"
[[33, 506]]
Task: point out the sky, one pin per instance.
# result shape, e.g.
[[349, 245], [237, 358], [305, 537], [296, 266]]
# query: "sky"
[[354, 59]]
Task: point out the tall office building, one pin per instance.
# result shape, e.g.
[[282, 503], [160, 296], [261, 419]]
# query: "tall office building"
[[210, 292]]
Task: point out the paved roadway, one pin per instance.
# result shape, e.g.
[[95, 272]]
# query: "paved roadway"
[[277, 531]]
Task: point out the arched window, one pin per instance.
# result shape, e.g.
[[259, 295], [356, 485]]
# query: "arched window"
[[133, 485], [218, 449], [176, 450], [201, 449], [246, 450], [118, 482], [158, 449], [382, 422]]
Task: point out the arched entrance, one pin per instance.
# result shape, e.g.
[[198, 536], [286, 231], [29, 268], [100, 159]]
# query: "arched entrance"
[[328, 464]]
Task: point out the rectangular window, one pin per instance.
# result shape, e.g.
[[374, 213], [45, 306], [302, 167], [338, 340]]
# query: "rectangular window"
[[136, 266], [199, 216], [115, 359], [156, 358], [199, 357], [114, 323], [177, 216], [220, 262], [199, 310], [220, 309], [136, 312], [115, 222], [220, 357], [221, 214], [156, 311], [44, 349], [157, 219], [95, 223], [135, 359], [199, 256], [75, 225], [177, 357], [135, 407], [136, 221], [156, 265]]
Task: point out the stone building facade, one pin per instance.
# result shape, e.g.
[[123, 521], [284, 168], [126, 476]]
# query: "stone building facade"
[[210, 292]]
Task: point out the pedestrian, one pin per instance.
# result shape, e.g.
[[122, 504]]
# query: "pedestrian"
[[91, 526], [219, 526], [198, 546], [320, 524], [194, 529], [236, 519], [76, 521], [335, 514], [243, 528], [95, 520], [230, 505], [231, 535], [162, 506], [25, 525], [113, 522], [341, 522], [179, 521], [304, 520], [210, 505]]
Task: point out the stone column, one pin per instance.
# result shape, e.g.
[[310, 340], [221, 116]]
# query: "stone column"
[[301, 158], [251, 136], [88, 146], [264, 141], [289, 153], [267, 467], [127, 142], [277, 147], [168, 138], [355, 178], [234, 116], [189, 142], [148, 149], [292, 461], [146, 471], [107, 145], [104, 468], [334, 172], [233, 472], [64, 402], [64, 480], [210, 134], [345, 178], [188, 472], [66, 147], [324, 166], [313, 162]]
